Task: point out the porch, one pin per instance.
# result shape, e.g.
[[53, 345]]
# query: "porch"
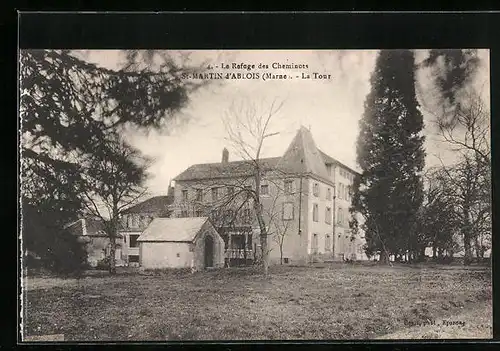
[[239, 250]]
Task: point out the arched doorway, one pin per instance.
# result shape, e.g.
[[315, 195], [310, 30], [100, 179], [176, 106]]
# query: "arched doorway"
[[209, 251]]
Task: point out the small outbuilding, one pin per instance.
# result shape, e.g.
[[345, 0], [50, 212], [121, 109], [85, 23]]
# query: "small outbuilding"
[[181, 243]]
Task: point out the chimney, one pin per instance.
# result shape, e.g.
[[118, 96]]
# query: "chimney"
[[225, 156]]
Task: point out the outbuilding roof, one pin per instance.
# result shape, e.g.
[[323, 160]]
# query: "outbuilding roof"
[[173, 229]]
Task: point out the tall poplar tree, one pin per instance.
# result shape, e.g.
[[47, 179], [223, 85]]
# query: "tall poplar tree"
[[391, 156]]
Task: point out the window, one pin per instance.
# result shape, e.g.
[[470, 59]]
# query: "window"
[[215, 194], [246, 215], [339, 191], [133, 240], [328, 215], [230, 191], [199, 213], [135, 221], [184, 213], [314, 246], [315, 213], [316, 189], [328, 243], [288, 186], [328, 194], [288, 211], [340, 216], [184, 195], [133, 258], [214, 215], [199, 195], [264, 189], [228, 214], [329, 169]]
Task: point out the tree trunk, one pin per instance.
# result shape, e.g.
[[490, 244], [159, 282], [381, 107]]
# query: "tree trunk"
[[263, 243], [440, 253], [112, 240], [262, 224], [434, 249], [477, 247], [112, 252], [422, 254], [467, 247], [384, 257]]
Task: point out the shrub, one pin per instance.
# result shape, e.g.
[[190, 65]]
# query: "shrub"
[[103, 264], [48, 246]]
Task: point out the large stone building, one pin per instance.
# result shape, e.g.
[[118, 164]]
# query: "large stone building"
[[305, 197]]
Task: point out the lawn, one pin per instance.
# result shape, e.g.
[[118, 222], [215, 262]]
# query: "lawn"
[[335, 301]]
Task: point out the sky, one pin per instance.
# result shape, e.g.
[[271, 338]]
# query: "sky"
[[330, 108]]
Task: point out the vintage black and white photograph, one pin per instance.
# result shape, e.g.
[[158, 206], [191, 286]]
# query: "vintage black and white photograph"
[[255, 195]]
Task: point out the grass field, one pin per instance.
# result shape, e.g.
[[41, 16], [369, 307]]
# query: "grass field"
[[333, 301]]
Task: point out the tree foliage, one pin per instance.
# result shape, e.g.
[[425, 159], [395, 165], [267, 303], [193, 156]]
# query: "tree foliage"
[[46, 244], [72, 115], [391, 155], [452, 72]]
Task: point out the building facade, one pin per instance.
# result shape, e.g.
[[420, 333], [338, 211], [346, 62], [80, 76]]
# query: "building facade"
[[304, 196], [136, 219], [90, 231]]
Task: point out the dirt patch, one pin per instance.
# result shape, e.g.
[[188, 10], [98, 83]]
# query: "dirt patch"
[[475, 323]]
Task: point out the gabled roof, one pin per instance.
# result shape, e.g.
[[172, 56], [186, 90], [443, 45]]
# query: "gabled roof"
[[173, 229], [302, 156], [223, 170], [154, 204], [330, 160], [88, 226], [76, 227], [93, 226]]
